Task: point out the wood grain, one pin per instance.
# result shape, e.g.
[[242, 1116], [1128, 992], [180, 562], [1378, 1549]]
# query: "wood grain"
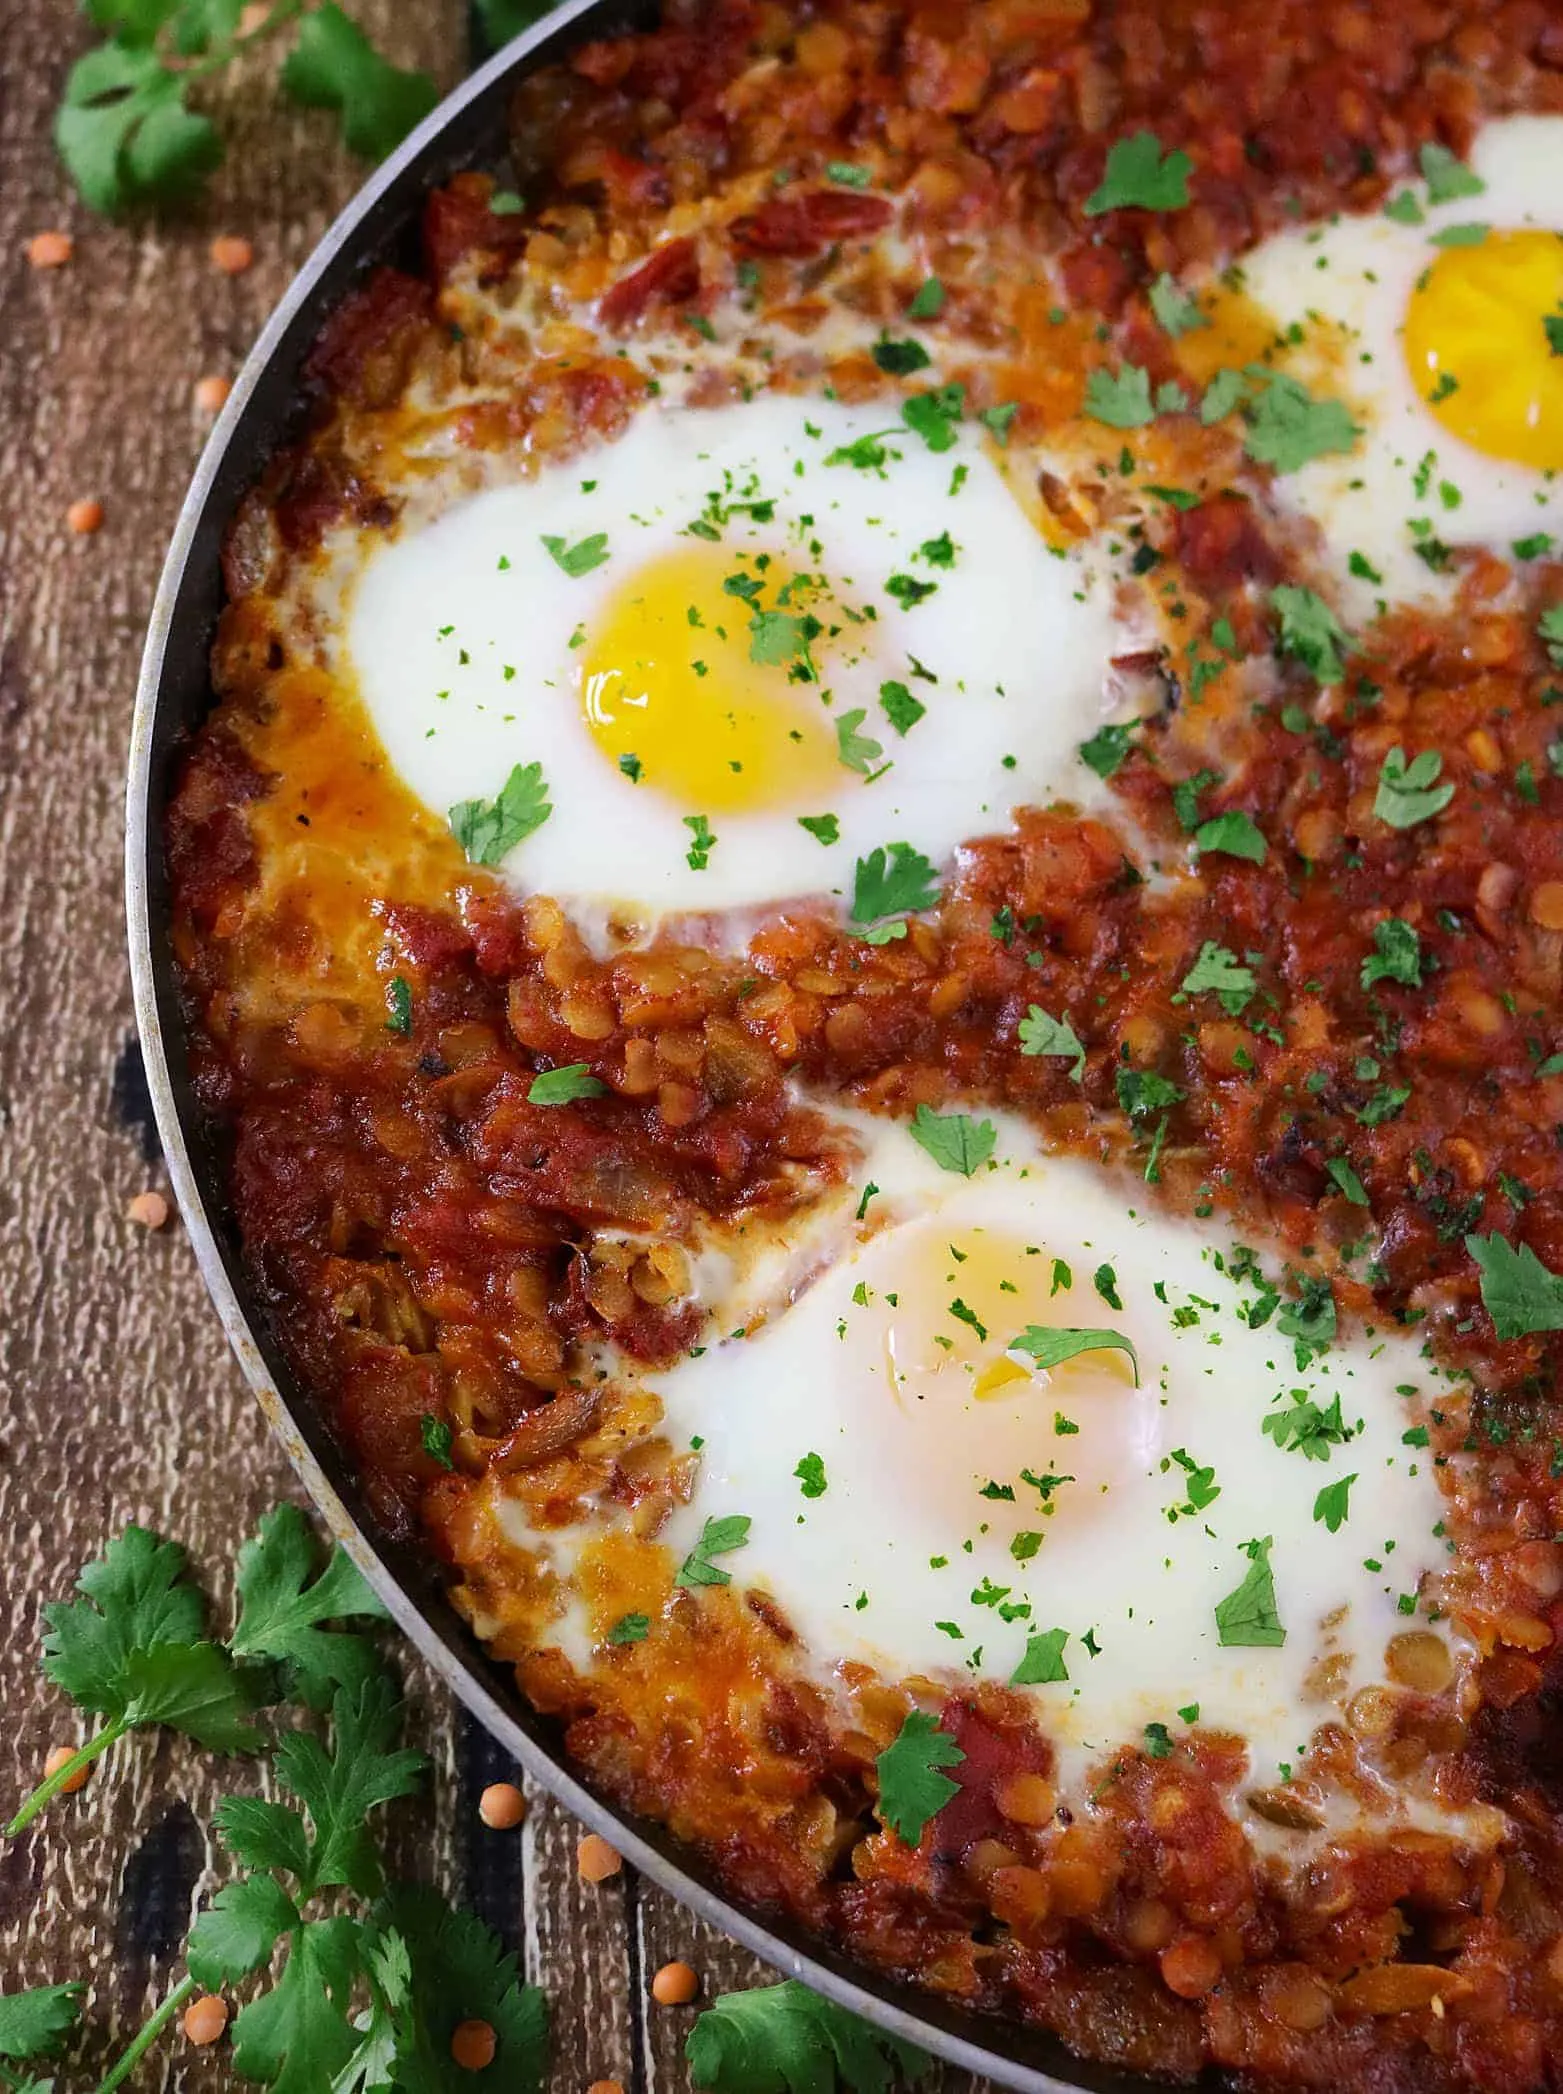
[[118, 1399]]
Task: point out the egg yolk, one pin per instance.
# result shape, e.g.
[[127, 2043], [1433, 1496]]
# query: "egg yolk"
[[965, 1411], [1480, 351], [701, 680]]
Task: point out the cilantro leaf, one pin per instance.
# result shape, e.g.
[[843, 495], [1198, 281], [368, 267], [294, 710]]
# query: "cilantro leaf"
[[35, 2024], [824, 828], [900, 707], [630, 1628], [928, 303], [1141, 1092], [124, 132], [1138, 176], [900, 359], [1409, 793], [1288, 427], [1234, 834], [562, 1086], [438, 1968], [1447, 177], [933, 416], [280, 1609], [334, 66], [1396, 955], [1176, 313], [911, 1788], [1470, 235], [859, 752], [1108, 749], [718, 1537], [1247, 1617], [1550, 627], [1311, 632], [193, 1688], [1050, 1347], [239, 1930], [1121, 399], [1305, 1428], [779, 637], [132, 1647], [262, 1834], [810, 1473], [784, 2039], [363, 1768], [954, 1140], [297, 2036], [1227, 390], [488, 830], [702, 842], [1043, 1662], [1348, 1181], [1040, 1034], [1519, 1293], [1219, 973], [893, 880], [1332, 1505], [580, 558]]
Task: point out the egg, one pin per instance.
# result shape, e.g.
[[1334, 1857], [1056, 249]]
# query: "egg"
[[744, 647], [1432, 323], [1171, 1516]]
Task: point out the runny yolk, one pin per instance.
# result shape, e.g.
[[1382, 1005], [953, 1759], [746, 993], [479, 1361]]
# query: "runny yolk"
[[964, 1409], [962, 1301], [1480, 351], [701, 677]]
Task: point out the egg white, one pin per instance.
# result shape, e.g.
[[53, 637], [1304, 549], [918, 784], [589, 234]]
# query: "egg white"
[[903, 1539], [1359, 274], [1015, 644]]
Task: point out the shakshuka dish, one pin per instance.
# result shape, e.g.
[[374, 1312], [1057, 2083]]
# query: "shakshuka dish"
[[874, 905]]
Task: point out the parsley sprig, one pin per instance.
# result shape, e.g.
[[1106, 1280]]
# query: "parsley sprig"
[[421, 1967], [126, 129], [135, 1650], [784, 2039]]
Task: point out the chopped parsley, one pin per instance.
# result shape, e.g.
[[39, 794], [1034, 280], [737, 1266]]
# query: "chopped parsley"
[[434, 1436], [1332, 1505], [564, 1086], [702, 842], [488, 829], [1139, 176], [893, 881], [900, 359], [1107, 749], [580, 558], [1175, 311], [1120, 399], [1311, 632], [1050, 1347], [398, 1004], [1234, 834], [718, 1537], [954, 1140], [911, 1788], [630, 1628], [810, 1473], [1409, 793], [859, 752], [1040, 1034], [824, 828], [1396, 955], [1219, 973], [900, 707], [1043, 1662], [1247, 1617], [1519, 1293]]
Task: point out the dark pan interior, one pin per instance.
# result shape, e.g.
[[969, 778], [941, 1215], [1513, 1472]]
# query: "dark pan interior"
[[381, 226]]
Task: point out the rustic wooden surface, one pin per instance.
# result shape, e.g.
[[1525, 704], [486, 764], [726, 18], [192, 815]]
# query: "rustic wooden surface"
[[118, 1398]]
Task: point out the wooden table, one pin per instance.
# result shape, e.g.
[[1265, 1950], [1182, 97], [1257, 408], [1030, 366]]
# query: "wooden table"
[[118, 1398]]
